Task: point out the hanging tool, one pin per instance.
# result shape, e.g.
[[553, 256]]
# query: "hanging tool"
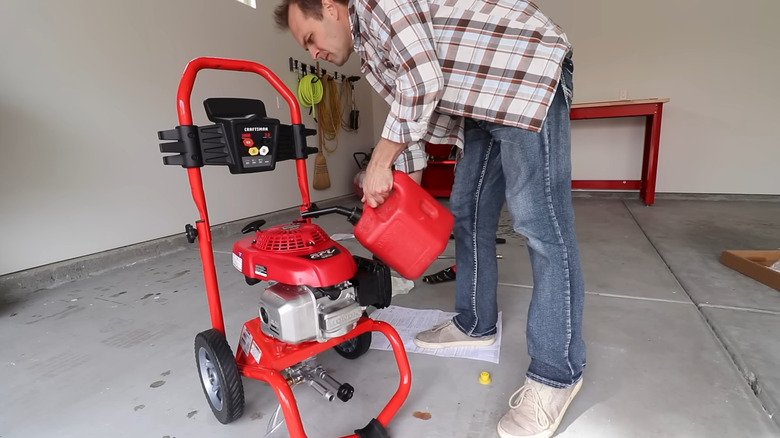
[[321, 179], [348, 99]]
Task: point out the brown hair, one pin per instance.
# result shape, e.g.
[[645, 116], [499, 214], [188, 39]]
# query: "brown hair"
[[310, 8]]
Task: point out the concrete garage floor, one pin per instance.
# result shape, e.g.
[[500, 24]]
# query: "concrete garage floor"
[[678, 344]]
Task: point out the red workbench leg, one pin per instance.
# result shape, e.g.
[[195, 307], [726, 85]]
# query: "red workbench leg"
[[650, 161], [643, 175]]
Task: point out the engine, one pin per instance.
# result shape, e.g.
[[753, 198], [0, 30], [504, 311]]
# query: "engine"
[[316, 289], [295, 314], [300, 313]]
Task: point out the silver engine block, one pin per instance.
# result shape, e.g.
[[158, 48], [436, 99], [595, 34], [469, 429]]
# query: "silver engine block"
[[296, 314]]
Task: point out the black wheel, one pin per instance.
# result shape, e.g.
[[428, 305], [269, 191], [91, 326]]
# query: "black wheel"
[[355, 347], [219, 375]]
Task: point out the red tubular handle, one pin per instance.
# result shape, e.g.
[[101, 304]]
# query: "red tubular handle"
[[194, 174], [197, 64], [185, 111]]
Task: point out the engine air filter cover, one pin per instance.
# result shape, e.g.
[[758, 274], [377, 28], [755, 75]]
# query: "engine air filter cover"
[[291, 238], [295, 254]]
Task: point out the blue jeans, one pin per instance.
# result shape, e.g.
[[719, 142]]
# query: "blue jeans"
[[532, 173]]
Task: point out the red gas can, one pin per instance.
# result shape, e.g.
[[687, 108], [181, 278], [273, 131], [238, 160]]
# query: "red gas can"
[[408, 231]]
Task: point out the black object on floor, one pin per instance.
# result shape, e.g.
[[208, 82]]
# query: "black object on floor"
[[442, 276]]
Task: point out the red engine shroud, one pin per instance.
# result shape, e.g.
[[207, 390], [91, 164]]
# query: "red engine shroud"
[[297, 253]]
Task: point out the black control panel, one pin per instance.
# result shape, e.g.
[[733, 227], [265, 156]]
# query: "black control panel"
[[251, 143], [251, 136], [243, 138], [258, 146]]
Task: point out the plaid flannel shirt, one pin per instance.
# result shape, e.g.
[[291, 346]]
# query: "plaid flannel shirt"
[[438, 61]]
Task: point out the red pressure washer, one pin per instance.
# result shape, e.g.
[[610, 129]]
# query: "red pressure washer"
[[318, 291]]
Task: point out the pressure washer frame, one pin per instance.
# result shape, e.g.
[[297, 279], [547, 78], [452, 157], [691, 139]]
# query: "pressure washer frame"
[[268, 357]]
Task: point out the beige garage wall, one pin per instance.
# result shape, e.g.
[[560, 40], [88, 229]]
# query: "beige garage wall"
[[84, 87]]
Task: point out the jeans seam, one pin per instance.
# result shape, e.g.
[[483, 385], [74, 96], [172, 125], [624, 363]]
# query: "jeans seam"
[[565, 250], [477, 196], [548, 382]]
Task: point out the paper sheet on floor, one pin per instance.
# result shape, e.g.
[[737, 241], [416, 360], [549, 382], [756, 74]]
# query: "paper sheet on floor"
[[408, 322]]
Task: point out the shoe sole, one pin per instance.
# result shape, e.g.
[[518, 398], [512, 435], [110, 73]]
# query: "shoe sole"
[[469, 343], [551, 432]]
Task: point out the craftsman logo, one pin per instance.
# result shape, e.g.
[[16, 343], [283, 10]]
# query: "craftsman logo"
[[255, 128], [324, 254]]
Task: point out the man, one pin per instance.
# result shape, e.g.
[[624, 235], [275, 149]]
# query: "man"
[[493, 77]]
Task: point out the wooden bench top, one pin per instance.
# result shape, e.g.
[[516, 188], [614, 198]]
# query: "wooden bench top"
[[618, 103]]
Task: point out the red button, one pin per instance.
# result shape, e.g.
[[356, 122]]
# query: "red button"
[[248, 142]]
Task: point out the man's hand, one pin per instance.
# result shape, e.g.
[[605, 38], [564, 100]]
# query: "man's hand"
[[378, 182], [377, 186]]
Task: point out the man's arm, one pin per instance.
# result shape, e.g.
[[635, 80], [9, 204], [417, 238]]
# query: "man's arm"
[[417, 89]]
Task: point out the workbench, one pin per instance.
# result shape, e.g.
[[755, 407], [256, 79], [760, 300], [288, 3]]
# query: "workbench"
[[652, 110], [439, 175]]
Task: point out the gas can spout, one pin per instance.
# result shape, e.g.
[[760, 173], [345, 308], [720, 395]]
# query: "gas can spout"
[[353, 214]]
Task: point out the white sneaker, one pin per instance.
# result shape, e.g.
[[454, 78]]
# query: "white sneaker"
[[537, 410], [447, 334]]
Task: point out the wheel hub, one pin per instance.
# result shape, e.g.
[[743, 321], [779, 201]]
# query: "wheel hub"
[[210, 378]]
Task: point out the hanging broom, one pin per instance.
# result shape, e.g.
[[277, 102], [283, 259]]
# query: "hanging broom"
[[321, 176]]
